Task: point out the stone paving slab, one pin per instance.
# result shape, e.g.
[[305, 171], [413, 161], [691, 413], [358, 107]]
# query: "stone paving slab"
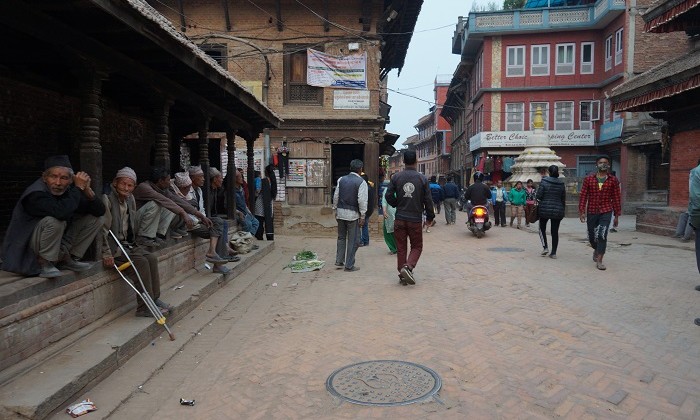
[[40, 390], [512, 334]]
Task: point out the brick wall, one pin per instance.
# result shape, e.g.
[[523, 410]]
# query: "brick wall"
[[685, 152], [652, 49]]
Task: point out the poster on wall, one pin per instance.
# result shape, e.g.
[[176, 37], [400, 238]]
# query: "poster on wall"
[[297, 173], [325, 70], [316, 173], [242, 159]]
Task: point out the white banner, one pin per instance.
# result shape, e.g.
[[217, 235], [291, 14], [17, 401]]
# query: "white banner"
[[350, 99], [519, 138], [325, 70]]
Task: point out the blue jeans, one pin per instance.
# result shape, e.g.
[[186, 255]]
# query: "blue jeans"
[[364, 237], [250, 223]]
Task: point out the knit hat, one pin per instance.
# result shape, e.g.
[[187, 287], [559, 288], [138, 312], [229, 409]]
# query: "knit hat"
[[214, 172], [59, 160], [126, 172], [195, 170], [182, 180]]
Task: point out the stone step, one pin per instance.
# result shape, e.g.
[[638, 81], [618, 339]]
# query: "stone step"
[[46, 386]]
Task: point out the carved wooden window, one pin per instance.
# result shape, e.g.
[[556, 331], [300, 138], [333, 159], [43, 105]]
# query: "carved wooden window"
[[296, 90]]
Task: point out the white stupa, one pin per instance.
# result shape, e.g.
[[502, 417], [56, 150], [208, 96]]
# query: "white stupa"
[[536, 157]]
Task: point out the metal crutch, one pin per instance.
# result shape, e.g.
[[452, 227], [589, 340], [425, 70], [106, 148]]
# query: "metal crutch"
[[150, 304]]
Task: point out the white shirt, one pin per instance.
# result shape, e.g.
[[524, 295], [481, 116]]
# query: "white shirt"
[[349, 214]]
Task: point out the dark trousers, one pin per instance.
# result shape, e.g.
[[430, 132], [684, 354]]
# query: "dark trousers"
[[147, 265], [598, 225], [348, 232], [697, 247], [499, 211], [403, 232], [555, 234]]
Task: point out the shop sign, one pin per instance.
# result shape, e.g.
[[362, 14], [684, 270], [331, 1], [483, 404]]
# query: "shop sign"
[[611, 131], [557, 138]]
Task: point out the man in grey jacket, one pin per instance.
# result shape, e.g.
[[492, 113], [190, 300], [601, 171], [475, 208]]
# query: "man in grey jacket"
[[409, 192], [350, 202]]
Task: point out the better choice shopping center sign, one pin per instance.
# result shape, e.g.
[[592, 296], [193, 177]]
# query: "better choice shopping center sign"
[[557, 138]]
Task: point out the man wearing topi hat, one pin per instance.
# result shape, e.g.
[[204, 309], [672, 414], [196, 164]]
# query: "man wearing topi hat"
[[120, 218], [54, 222]]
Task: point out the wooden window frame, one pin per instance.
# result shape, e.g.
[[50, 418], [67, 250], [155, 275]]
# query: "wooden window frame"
[[315, 93]]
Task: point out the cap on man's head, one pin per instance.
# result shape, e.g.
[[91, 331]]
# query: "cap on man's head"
[[599, 157], [213, 172], [58, 160], [126, 172], [195, 170], [182, 180], [356, 164]]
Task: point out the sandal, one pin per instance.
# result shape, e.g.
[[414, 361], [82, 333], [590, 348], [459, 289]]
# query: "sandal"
[[600, 266]]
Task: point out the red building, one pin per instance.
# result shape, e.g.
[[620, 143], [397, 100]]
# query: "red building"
[[565, 60], [434, 142]]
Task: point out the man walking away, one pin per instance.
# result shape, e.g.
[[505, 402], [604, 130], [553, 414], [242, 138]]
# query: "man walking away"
[[451, 195], [436, 193], [409, 193], [600, 197], [350, 202]]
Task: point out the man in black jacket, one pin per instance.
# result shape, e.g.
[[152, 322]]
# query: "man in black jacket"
[[409, 192], [55, 220]]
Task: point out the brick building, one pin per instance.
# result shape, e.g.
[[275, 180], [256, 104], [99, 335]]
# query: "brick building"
[[511, 65], [670, 92], [434, 142], [267, 44]]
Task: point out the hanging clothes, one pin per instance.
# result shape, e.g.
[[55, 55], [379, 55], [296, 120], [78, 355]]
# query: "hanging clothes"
[[498, 163], [488, 165], [507, 163]]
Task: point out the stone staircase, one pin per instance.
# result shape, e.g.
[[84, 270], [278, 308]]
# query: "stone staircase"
[[64, 335]]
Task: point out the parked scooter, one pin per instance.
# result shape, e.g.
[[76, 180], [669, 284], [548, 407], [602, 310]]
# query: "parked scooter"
[[479, 221]]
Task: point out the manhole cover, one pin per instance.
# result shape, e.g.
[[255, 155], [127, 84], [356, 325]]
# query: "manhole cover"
[[384, 382], [505, 249]]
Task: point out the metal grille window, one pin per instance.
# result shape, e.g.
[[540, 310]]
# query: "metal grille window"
[[515, 117], [565, 59], [587, 58], [516, 61], [563, 115], [589, 112], [296, 90], [540, 60]]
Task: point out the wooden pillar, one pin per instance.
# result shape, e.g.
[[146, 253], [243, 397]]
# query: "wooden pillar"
[[231, 174], [161, 112], [204, 160], [90, 117], [250, 153]]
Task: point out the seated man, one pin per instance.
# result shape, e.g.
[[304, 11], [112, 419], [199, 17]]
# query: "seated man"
[[248, 222], [55, 220], [120, 218], [211, 230], [156, 210], [217, 193]]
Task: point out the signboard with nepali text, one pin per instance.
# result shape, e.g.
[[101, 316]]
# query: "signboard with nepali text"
[[350, 99], [557, 138], [325, 70]]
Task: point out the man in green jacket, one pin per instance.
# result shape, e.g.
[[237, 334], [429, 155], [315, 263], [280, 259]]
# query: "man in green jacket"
[[517, 197]]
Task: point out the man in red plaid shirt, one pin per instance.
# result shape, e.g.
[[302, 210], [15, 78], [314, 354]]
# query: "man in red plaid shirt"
[[600, 197]]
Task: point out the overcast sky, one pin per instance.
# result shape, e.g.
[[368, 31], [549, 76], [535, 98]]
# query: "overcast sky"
[[429, 54]]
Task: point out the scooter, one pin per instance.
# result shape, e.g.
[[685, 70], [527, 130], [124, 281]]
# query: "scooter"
[[479, 220]]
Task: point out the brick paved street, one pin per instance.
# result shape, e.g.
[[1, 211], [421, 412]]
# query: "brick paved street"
[[512, 334]]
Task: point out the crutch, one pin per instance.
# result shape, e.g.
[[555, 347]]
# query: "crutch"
[[150, 304]]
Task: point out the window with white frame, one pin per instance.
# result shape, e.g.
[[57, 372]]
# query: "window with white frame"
[[589, 111], [515, 116], [515, 65], [606, 111], [618, 46], [544, 106], [587, 57], [539, 60], [608, 53], [565, 59], [564, 115]]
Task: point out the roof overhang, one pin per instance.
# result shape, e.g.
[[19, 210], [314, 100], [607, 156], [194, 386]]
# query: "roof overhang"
[[396, 32], [672, 15]]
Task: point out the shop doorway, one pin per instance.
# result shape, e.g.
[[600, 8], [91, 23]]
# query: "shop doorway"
[[341, 156]]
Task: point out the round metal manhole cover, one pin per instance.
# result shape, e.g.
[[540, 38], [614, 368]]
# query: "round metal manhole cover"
[[384, 383], [505, 249]]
